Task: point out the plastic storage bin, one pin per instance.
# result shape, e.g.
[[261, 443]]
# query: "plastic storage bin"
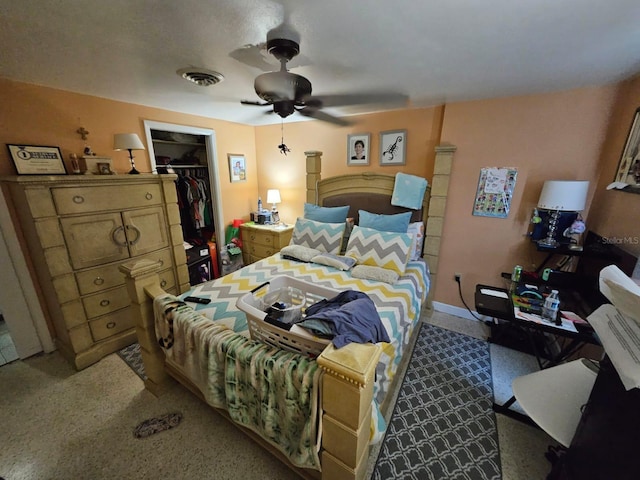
[[255, 303]]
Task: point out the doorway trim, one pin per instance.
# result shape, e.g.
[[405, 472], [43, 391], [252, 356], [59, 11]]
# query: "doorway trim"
[[212, 162], [29, 337]]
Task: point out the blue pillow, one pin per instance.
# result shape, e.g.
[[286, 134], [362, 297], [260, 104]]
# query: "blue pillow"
[[385, 223], [325, 214]]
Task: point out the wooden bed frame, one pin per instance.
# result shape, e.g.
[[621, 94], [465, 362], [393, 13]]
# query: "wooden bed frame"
[[347, 383]]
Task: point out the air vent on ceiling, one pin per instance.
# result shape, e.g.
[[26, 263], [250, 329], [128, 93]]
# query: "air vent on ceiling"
[[201, 76]]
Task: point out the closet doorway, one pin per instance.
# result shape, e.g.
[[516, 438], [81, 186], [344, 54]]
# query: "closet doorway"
[[190, 152]]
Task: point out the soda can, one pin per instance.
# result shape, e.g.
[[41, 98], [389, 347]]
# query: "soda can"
[[517, 273]]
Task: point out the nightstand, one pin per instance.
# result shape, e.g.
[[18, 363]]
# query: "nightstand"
[[261, 241]]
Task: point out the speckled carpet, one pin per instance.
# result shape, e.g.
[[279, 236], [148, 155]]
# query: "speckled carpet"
[[443, 425]]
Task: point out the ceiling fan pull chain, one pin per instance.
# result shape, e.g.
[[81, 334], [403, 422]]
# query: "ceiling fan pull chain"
[[282, 147]]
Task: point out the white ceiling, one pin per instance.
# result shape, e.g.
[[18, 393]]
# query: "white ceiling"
[[434, 51]]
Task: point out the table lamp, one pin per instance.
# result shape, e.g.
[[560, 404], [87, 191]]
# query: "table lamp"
[[273, 197], [128, 141], [561, 196]]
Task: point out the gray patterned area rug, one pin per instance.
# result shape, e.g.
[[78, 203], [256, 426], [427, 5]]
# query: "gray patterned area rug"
[[131, 356], [443, 425]]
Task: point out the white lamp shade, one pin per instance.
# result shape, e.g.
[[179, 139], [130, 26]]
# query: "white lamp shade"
[[564, 195], [273, 196], [127, 141]]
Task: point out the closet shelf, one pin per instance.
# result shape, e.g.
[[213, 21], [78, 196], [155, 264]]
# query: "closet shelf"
[[172, 142], [186, 166]]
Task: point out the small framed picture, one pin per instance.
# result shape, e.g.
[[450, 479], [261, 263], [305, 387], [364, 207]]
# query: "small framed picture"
[[37, 160], [275, 218], [90, 165], [104, 168], [393, 147], [358, 149], [237, 168]]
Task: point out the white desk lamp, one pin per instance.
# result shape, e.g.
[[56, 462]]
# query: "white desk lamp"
[[561, 196], [128, 141], [273, 197]]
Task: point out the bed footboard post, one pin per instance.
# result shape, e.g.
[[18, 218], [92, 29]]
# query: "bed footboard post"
[[143, 284], [347, 393]]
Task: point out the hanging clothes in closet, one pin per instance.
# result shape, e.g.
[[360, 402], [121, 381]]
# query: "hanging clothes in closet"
[[194, 202]]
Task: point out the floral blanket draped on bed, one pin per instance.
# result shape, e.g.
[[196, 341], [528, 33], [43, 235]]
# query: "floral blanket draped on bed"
[[271, 391]]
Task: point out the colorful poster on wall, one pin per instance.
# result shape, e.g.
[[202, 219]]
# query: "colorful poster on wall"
[[495, 189]]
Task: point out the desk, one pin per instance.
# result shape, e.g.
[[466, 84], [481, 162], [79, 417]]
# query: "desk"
[[497, 303]]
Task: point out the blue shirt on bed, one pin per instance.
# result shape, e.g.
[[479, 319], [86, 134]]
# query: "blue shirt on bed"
[[351, 316]]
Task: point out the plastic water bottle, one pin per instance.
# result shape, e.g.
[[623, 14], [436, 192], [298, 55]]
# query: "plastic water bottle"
[[551, 306], [259, 205]]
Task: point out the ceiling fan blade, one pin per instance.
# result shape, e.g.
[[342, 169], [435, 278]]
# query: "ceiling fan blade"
[[325, 117], [355, 99], [258, 104]]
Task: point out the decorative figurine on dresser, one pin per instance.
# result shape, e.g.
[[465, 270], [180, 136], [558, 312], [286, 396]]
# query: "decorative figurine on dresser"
[[78, 231]]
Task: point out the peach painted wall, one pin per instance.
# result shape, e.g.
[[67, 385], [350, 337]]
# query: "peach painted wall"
[[616, 214], [287, 173], [555, 136], [35, 115]]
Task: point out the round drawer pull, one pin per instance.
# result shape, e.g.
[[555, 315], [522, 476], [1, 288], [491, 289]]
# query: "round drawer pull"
[[104, 303], [161, 261], [148, 196], [268, 240], [98, 281], [78, 199], [111, 325], [163, 283]]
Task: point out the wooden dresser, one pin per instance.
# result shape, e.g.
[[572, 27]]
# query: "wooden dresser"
[[78, 231], [261, 241]]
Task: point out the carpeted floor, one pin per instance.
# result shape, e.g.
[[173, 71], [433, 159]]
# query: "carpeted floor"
[[443, 425]]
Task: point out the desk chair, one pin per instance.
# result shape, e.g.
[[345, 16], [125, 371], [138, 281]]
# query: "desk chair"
[[553, 397]]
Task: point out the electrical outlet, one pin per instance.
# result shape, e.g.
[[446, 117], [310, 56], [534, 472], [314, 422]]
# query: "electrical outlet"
[[457, 277]]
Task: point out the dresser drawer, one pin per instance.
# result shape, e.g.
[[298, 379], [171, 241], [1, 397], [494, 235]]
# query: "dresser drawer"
[[261, 251], [266, 239], [109, 276], [71, 200], [109, 325], [106, 302]]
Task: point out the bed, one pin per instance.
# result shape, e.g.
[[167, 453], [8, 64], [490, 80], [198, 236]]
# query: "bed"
[[336, 401]]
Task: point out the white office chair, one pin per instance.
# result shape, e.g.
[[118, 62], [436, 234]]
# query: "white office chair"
[[553, 397]]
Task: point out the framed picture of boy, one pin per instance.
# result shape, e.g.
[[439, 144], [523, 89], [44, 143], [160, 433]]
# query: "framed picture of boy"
[[237, 168], [358, 149]]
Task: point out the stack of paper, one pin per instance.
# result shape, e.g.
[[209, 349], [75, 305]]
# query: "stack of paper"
[[618, 325]]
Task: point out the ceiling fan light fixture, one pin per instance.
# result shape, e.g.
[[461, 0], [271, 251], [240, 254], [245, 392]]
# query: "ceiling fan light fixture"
[[201, 76]]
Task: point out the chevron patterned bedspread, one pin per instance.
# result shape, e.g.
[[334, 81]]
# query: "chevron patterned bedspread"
[[398, 305]]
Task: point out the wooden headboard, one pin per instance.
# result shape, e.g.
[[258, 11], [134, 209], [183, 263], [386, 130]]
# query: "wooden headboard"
[[360, 191], [365, 191]]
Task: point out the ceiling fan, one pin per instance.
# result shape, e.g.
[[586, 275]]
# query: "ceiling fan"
[[288, 92]]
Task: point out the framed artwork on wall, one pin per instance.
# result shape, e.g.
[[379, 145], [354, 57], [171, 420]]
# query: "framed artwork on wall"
[[237, 168], [37, 160], [628, 174], [358, 149], [393, 147]]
